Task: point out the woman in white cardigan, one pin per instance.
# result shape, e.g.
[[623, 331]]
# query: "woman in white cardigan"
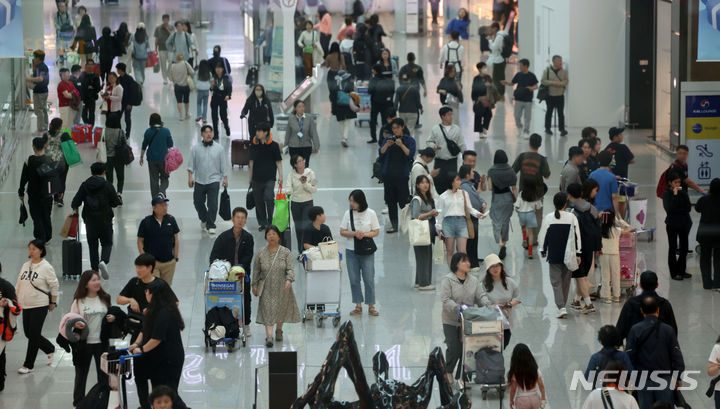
[[303, 185], [451, 224], [112, 94]]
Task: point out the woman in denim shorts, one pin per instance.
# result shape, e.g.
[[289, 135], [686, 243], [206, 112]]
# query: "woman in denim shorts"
[[451, 223]]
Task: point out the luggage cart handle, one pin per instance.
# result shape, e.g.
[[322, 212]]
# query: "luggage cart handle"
[[123, 358]]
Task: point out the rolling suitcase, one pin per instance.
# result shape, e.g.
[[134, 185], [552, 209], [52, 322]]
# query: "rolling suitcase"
[[72, 255], [240, 149]]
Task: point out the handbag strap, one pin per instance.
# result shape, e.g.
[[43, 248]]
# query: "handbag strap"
[[606, 400], [152, 138], [33, 285], [467, 214], [352, 222], [447, 141]]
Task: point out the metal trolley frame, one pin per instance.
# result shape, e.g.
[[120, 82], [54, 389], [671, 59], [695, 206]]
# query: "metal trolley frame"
[[119, 370], [225, 294], [362, 88], [483, 334], [322, 286]]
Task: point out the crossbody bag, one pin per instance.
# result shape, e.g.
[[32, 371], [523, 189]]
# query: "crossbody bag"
[[365, 246], [35, 287], [468, 220], [453, 147]]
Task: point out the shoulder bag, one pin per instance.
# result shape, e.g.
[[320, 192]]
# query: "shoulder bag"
[[365, 246], [419, 231], [48, 293], [261, 282], [308, 49], [101, 152], [468, 220], [606, 401], [453, 147], [190, 81], [543, 91]]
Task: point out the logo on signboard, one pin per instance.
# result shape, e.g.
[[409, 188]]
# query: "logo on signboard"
[[705, 103], [697, 128], [222, 286]]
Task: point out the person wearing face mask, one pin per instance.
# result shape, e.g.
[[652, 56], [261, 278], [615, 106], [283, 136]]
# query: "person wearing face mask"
[[258, 109], [221, 88], [217, 59], [208, 165]]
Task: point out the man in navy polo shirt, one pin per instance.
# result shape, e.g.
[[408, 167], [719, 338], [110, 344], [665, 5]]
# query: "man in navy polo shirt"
[[158, 235], [607, 195]]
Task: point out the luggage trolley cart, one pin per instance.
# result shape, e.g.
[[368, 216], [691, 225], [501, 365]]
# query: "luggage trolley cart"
[[118, 365], [635, 209], [323, 279], [483, 336], [362, 88], [225, 294]]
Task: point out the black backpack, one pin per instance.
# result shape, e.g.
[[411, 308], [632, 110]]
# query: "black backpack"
[[96, 398], [218, 316], [360, 50], [490, 366], [507, 48]]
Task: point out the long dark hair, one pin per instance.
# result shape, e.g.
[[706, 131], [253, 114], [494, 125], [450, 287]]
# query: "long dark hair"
[[334, 48], [587, 187], [140, 35], [559, 201], [162, 297], [123, 34], [608, 222], [489, 281], [81, 291], [523, 367], [85, 21], [203, 70], [426, 198]]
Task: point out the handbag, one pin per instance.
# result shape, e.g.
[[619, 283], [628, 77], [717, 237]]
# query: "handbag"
[[308, 49], [281, 216], [328, 248], [191, 83], [104, 107], [101, 152], [261, 282], [451, 99], [439, 251], [544, 92], [123, 151], [250, 198], [470, 227], [23, 214], [571, 251], [152, 59], [224, 212], [71, 153], [70, 227], [419, 232], [453, 147], [365, 246]]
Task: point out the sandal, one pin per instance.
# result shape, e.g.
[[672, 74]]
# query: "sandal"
[[278, 335], [269, 342], [372, 311], [356, 311]]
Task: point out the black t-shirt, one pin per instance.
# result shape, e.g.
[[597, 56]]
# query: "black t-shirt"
[[170, 351], [621, 158], [533, 167], [265, 158], [159, 238], [313, 237], [524, 80], [588, 167], [135, 289]]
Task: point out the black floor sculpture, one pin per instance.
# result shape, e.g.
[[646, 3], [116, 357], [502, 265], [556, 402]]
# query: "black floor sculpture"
[[385, 393]]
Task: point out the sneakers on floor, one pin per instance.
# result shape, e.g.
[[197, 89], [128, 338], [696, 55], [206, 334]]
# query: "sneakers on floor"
[[562, 313], [427, 288], [575, 305], [344, 143], [247, 331], [23, 370], [607, 300], [588, 309], [616, 299], [203, 226], [103, 270], [385, 210], [211, 231]]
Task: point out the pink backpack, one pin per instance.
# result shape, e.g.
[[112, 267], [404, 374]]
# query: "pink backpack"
[[173, 160]]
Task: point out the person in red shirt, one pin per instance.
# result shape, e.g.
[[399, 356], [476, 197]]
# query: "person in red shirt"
[[66, 94]]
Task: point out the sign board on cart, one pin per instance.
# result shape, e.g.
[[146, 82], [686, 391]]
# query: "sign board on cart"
[[700, 129]]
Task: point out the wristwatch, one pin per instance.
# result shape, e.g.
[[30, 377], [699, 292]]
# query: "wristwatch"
[[53, 303]]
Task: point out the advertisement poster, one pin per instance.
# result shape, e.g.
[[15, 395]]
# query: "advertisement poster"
[[11, 32], [702, 135], [708, 30], [275, 74]]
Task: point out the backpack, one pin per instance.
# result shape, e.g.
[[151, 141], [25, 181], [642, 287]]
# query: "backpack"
[[137, 101], [662, 184], [507, 48], [457, 55], [96, 398], [222, 316], [173, 160], [490, 367], [359, 50], [219, 270]]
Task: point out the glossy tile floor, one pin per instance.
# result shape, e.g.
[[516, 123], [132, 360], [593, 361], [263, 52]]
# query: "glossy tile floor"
[[409, 325]]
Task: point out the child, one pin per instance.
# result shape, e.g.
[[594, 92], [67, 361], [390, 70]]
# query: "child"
[[528, 220], [527, 390], [162, 397], [612, 228]]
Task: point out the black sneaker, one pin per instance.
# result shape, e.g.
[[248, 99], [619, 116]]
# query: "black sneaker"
[[261, 228], [548, 132], [59, 203], [503, 252], [677, 278], [686, 275], [372, 141], [563, 133]]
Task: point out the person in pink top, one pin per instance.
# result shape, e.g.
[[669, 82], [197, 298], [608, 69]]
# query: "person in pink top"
[[325, 28], [66, 90], [348, 28]]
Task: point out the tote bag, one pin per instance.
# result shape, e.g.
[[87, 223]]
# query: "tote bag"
[[281, 217], [72, 155], [570, 259], [101, 152], [439, 251], [419, 232]]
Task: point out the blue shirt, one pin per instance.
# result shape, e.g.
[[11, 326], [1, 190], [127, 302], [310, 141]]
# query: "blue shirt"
[[608, 186], [606, 355], [461, 26], [161, 142]]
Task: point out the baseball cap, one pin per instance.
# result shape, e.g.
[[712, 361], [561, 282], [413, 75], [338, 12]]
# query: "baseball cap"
[[614, 131], [159, 199]]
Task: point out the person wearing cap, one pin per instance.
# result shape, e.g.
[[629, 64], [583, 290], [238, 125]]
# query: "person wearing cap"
[[381, 90], [607, 194], [39, 198], [571, 171], [206, 170], [158, 236], [218, 59], [499, 290], [156, 142], [445, 160], [621, 158], [420, 167], [97, 197], [39, 81], [407, 101]]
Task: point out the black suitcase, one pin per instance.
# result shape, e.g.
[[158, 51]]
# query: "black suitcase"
[[72, 255]]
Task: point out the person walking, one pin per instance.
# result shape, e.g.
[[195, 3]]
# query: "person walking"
[[123, 39], [272, 283], [130, 95], [434, 10], [381, 90], [85, 39], [180, 73], [115, 137], [161, 35], [301, 135], [37, 291], [388, 64], [560, 230], [453, 223], [459, 24], [501, 181], [347, 29], [359, 226], [156, 142], [453, 54], [303, 184], [714, 369], [527, 389], [450, 91], [218, 59], [466, 174], [324, 26], [343, 113], [39, 198], [221, 90], [631, 313], [611, 391], [265, 167], [677, 224], [113, 96], [68, 97], [107, 49], [708, 235], [192, 59], [158, 236], [526, 83], [499, 290], [202, 86], [533, 168], [458, 288], [591, 239], [97, 197], [407, 102], [680, 166], [180, 42], [236, 245], [89, 89], [64, 30], [422, 207], [448, 142], [140, 49], [496, 58], [309, 42], [206, 169], [610, 340], [555, 78], [39, 81], [9, 311], [53, 150], [396, 152], [483, 100], [257, 109]]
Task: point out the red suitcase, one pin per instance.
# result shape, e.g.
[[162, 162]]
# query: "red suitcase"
[[240, 150]]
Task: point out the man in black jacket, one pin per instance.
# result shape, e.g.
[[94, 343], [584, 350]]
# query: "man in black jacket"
[[407, 102], [381, 90], [130, 90], [653, 346], [89, 88], [236, 246], [35, 175], [631, 313], [217, 59], [98, 197]]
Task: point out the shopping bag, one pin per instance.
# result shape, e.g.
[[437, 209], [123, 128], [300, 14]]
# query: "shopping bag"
[[281, 218], [23, 214], [328, 249], [439, 251], [419, 232], [70, 227], [152, 59], [225, 213], [72, 155], [101, 152]]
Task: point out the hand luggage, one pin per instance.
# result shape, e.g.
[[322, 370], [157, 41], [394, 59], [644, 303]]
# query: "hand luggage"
[[240, 149], [286, 238], [72, 257]]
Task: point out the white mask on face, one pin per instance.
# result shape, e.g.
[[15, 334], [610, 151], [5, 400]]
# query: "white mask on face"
[[258, 94]]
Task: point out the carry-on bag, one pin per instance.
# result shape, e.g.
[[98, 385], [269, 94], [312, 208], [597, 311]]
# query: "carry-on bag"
[[240, 148], [72, 254]]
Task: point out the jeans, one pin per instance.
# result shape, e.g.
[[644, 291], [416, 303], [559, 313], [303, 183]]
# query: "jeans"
[[166, 59], [304, 152], [219, 104], [115, 166], [455, 226], [361, 267], [264, 201], [375, 110], [553, 103], [646, 398], [523, 110], [677, 262], [41, 111], [498, 74], [397, 194], [139, 70], [158, 178], [209, 193], [560, 278], [128, 120], [99, 231], [88, 112], [33, 320], [709, 258], [83, 355], [202, 103], [39, 209], [454, 349], [299, 212]]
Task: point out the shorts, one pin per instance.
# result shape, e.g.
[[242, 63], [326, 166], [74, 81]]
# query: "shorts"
[[455, 226], [182, 94], [528, 219], [622, 199]]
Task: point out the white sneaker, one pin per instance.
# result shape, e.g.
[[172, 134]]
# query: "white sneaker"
[[385, 210], [103, 270], [211, 231], [24, 370], [483, 134], [427, 288], [526, 135], [247, 331], [562, 313], [203, 226]]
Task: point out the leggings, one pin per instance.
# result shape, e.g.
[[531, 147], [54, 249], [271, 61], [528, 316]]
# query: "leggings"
[[33, 320]]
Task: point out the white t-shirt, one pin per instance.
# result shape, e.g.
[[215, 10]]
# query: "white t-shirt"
[[93, 310], [620, 400], [366, 222], [715, 358]]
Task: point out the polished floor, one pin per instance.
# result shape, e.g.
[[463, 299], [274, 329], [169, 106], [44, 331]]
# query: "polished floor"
[[409, 324]]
